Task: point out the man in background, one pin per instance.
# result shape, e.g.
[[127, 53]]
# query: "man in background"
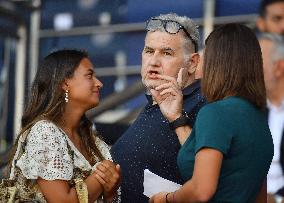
[[271, 17], [271, 20], [272, 47]]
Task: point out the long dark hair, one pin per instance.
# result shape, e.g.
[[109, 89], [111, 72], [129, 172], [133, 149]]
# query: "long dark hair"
[[233, 65], [46, 99]]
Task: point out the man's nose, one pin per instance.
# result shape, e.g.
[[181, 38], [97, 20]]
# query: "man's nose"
[[155, 59]]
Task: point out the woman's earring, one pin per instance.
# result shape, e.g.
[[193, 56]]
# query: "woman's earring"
[[66, 96]]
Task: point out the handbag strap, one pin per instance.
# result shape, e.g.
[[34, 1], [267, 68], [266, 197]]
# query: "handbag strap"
[[20, 150]]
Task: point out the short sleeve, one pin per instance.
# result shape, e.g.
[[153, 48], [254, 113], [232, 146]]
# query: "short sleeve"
[[46, 154], [213, 129], [103, 148]]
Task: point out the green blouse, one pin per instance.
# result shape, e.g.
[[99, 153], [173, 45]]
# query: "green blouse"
[[240, 131]]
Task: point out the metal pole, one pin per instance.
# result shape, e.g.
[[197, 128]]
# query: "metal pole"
[[4, 94], [209, 14], [121, 81], [113, 71], [117, 98], [34, 40], [20, 77]]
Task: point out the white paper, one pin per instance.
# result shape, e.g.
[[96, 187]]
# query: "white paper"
[[154, 184]]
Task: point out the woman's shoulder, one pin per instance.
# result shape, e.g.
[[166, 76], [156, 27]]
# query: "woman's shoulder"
[[221, 111], [211, 108], [44, 131], [226, 105], [44, 125], [45, 153]]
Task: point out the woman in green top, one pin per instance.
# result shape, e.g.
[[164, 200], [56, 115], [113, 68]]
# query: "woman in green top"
[[226, 155]]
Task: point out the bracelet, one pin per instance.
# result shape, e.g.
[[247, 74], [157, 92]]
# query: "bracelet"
[[167, 201]]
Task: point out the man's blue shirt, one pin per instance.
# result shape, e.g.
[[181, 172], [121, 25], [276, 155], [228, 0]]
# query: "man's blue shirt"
[[149, 143]]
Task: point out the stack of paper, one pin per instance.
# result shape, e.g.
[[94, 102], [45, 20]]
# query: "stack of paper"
[[154, 184]]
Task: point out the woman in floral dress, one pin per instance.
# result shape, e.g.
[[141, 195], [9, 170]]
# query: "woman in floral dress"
[[58, 156]]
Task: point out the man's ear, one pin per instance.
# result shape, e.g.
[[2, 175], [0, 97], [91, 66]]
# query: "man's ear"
[[193, 62], [260, 24], [279, 69]]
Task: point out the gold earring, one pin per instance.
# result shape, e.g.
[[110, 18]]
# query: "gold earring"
[[66, 96]]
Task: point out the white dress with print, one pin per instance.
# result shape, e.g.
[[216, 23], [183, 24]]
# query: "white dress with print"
[[46, 154]]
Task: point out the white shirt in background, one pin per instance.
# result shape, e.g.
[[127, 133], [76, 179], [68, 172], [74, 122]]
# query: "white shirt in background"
[[275, 176]]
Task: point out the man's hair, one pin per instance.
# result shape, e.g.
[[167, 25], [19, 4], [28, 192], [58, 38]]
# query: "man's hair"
[[233, 65], [188, 25], [264, 4], [278, 45]]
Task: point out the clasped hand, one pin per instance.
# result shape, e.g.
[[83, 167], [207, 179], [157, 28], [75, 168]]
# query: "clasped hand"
[[108, 175]]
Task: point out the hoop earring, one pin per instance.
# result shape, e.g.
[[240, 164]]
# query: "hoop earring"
[[66, 96]]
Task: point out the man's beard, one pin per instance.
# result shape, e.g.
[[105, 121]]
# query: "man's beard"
[[152, 84]]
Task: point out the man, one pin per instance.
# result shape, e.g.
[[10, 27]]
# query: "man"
[[271, 16], [171, 43], [272, 47]]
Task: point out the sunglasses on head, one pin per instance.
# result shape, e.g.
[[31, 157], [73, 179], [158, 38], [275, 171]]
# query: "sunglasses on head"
[[170, 26]]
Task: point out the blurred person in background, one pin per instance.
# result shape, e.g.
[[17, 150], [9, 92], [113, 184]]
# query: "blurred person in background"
[[171, 44], [271, 20], [58, 157], [272, 47], [271, 16], [226, 154]]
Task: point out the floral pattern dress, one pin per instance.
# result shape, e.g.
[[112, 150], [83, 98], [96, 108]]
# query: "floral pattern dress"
[[47, 152]]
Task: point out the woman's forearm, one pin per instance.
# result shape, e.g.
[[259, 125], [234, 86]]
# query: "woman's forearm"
[[94, 187], [183, 133], [188, 193]]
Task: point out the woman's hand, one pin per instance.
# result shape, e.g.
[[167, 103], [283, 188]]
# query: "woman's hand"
[[158, 198], [108, 174]]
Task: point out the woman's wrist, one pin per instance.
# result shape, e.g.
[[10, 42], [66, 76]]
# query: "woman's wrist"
[[167, 200], [170, 197], [109, 197]]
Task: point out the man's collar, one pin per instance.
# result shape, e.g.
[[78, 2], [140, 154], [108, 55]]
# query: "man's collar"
[[186, 91], [270, 105], [191, 88]]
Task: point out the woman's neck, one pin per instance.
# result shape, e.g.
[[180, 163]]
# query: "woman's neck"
[[70, 121]]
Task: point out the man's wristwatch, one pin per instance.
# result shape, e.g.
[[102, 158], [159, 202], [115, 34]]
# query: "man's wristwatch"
[[181, 121]]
